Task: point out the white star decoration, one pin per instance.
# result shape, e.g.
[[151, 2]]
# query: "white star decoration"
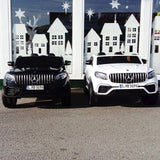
[[66, 6], [20, 14], [115, 4], [90, 13]]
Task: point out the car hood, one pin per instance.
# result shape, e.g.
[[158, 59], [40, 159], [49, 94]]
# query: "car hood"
[[122, 68]]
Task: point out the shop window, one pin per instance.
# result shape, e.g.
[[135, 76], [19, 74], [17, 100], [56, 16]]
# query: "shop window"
[[155, 38], [113, 24], [45, 24]]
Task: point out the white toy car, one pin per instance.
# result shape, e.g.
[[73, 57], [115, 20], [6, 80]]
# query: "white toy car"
[[106, 75]]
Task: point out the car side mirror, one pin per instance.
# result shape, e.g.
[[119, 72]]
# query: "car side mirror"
[[11, 63], [67, 63], [144, 61], [88, 62]]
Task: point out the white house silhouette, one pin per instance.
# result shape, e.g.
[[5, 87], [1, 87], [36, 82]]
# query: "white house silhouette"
[[40, 44], [19, 40], [111, 33], [131, 37], [92, 43], [57, 38]]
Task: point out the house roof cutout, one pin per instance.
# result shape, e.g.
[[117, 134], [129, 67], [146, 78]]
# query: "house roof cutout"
[[132, 22], [57, 27], [92, 35], [19, 28]]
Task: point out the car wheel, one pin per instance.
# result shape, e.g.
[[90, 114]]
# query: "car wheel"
[[92, 97], [150, 99], [66, 97], [84, 87], [9, 102]]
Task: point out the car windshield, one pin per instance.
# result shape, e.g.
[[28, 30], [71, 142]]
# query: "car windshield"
[[39, 62], [117, 59]]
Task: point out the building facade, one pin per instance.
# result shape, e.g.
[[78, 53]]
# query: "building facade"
[[77, 37]]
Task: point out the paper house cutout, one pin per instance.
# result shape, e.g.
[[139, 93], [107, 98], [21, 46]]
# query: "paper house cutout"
[[19, 40], [131, 35], [40, 44], [111, 33], [92, 43], [57, 38]]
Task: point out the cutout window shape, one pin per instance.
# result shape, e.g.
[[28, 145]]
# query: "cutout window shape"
[[156, 49]]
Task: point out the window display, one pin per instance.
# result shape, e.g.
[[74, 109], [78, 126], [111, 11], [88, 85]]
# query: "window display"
[[113, 25], [42, 27]]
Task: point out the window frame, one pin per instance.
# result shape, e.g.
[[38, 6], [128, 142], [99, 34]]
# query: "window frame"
[[78, 11]]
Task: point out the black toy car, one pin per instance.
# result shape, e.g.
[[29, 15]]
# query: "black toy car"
[[36, 76]]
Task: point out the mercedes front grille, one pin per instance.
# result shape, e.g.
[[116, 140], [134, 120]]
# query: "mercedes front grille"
[[31, 79], [127, 77]]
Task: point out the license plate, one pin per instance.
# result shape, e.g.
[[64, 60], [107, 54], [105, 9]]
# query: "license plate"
[[127, 86], [35, 87]]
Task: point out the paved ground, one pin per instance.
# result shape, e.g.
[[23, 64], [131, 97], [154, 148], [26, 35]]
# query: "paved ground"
[[114, 130]]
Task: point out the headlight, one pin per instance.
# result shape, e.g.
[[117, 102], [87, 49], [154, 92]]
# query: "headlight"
[[101, 75], [61, 76], [10, 77], [151, 74]]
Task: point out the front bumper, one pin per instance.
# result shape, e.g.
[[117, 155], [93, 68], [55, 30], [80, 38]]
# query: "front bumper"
[[102, 87], [21, 91]]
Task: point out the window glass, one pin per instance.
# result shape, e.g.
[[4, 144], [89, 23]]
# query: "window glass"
[[115, 24], [155, 38], [43, 27]]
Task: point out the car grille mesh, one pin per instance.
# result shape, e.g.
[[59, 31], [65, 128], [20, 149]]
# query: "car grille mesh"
[[127, 77], [34, 79]]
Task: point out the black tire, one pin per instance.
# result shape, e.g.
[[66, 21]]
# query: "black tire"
[[150, 99], [84, 86], [66, 97], [92, 97], [9, 102]]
